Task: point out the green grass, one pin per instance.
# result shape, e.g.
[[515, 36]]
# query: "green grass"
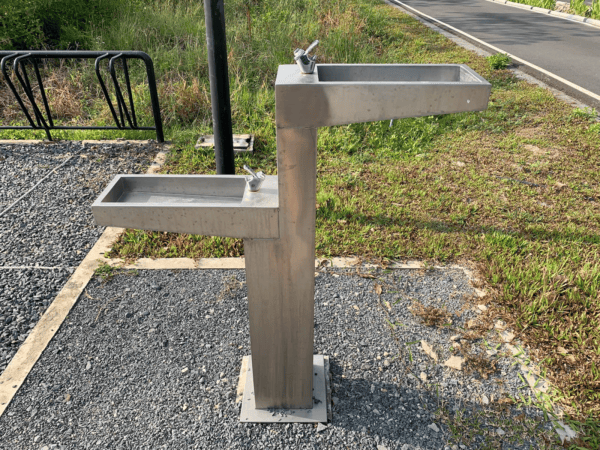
[[513, 189], [499, 61], [578, 7], [547, 4]]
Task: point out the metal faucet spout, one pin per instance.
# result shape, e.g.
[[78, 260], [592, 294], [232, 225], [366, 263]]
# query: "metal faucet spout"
[[306, 63], [255, 181]]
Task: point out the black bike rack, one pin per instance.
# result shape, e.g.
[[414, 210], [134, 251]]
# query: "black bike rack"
[[125, 120]]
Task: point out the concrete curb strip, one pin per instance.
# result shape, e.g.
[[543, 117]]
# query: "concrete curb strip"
[[239, 263], [562, 15], [547, 77]]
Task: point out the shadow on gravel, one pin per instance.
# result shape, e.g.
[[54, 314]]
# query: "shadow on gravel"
[[388, 414]]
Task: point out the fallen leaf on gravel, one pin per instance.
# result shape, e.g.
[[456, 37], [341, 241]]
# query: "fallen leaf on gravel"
[[423, 377], [434, 427], [535, 383], [560, 185], [512, 349], [378, 289], [455, 362], [356, 307], [500, 325], [507, 336], [429, 350], [564, 431], [364, 275], [67, 398], [480, 293]]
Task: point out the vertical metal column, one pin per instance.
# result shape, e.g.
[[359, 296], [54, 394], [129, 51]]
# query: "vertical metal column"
[[214, 11], [281, 281]]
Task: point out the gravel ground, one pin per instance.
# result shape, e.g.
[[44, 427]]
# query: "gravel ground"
[[151, 359], [53, 226]]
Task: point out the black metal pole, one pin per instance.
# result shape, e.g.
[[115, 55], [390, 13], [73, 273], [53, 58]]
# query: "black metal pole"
[[214, 11]]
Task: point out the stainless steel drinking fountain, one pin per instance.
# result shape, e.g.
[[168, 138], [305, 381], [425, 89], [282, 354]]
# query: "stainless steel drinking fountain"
[[277, 222]]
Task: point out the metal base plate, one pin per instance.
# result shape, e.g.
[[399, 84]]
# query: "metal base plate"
[[317, 414], [241, 142]]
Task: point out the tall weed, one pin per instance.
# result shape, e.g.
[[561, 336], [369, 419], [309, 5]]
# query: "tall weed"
[[55, 24]]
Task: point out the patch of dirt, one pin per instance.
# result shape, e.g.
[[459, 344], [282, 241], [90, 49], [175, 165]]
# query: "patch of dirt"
[[530, 133], [430, 315], [537, 151]]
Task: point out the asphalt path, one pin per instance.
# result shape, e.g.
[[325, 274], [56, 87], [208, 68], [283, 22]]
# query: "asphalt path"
[[568, 49]]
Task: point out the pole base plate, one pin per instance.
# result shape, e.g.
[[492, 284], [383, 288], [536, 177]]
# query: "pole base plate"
[[241, 142], [318, 413]]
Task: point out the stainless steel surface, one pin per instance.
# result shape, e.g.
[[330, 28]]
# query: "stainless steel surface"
[[280, 279], [255, 180], [278, 222], [337, 94], [305, 62], [197, 204], [316, 413]]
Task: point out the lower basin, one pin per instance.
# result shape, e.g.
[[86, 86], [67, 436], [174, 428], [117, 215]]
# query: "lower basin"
[[196, 204]]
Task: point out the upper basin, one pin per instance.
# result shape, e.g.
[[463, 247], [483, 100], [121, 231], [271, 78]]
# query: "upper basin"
[[197, 204], [337, 94], [392, 73]]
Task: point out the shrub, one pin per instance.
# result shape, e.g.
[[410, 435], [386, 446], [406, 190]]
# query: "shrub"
[[60, 24], [595, 10], [499, 61]]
